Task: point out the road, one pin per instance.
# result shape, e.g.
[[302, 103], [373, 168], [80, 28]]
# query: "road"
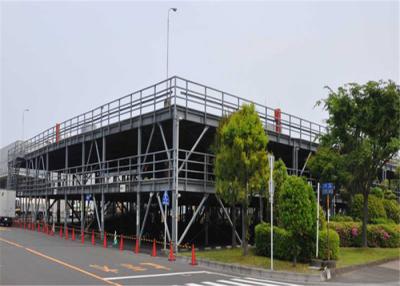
[[29, 257]]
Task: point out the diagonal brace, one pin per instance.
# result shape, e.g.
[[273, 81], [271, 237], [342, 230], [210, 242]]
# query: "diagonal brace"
[[193, 218], [163, 216], [145, 215], [229, 219], [193, 148]]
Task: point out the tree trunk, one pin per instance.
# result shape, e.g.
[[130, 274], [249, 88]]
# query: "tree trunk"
[[244, 230], [365, 220], [233, 215]]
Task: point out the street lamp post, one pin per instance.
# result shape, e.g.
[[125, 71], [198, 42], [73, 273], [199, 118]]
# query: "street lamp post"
[[169, 10], [23, 122]]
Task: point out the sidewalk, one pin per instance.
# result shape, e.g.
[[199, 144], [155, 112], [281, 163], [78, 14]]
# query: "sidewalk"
[[387, 273]]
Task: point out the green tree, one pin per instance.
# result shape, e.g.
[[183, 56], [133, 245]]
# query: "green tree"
[[241, 160], [363, 130], [297, 212]]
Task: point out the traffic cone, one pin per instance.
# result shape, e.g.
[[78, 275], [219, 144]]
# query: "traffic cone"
[[83, 237], [121, 243], [61, 232], [93, 241], [137, 246], [73, 234], [24, 225], [66, 233], [194, 262], [154, 252], [105, 240], [38, 227], [171, 253]]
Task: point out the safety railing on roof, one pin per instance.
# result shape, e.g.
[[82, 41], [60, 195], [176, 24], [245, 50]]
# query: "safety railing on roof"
[[175, 90]]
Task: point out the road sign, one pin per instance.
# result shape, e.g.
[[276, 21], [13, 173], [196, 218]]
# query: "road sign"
[[88, 197], [327, 188], [165, 199]]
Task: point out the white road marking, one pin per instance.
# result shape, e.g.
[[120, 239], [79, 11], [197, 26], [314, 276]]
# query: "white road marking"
[[156, 275], [213, 283], [192, 284], [256, 282], [233, 283], [270, 281]]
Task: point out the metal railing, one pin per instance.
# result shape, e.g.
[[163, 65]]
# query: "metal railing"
[[175, 90], [150, 168]]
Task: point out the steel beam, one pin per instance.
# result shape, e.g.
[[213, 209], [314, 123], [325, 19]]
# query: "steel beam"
[[164, 216], [82, 212], [97, 212], [139, 171], [146, 214], [229, 219], [193, 148], [193, 218], [102, 214]]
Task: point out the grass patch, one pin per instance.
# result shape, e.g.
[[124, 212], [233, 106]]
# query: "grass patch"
[[235, 256], [347, 257]]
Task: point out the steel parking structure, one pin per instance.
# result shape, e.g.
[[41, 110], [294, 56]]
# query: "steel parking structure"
[[127, 152]]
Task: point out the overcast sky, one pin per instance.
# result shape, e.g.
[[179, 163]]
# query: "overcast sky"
[[62, 59]]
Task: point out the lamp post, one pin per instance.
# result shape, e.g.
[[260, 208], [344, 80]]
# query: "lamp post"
[[169, 10], [23, 122], [271, 160]]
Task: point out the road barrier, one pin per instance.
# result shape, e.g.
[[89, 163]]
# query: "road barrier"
[[154, 251], [64, 233]]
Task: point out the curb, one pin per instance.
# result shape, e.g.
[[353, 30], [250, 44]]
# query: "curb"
[[338, 271], [258, 272]]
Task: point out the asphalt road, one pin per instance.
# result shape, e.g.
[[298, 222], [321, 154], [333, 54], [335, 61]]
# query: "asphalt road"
[[29, 257]]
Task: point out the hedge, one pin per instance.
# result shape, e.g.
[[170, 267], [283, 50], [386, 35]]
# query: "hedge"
[[392, 209], [375, 207], [333, 244], [378, 235], [282, 241]]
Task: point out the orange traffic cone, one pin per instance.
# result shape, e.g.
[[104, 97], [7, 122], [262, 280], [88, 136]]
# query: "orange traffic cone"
[[171, 253], [154, 252], [83, 237], [121, 243], [66, 233], [38, 227], [24, 225], [93, 241], [137, 246], [73, 234], [105, 240], [194, 262], [61, 232]]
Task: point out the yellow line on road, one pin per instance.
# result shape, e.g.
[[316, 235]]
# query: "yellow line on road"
[[12, 243], [60, 262]]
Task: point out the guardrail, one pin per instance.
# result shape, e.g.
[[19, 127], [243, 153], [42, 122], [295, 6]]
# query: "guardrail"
[[175, 90]]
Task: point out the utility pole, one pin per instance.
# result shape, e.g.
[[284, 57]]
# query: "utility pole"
[[271, 200]]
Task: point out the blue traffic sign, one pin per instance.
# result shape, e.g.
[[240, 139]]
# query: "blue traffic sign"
[[327, 188], [165, 199], [88, 197]]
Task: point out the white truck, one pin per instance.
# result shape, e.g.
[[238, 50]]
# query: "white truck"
[[7, 207]]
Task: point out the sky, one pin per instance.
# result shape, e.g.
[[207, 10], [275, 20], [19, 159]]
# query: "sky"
[[60, 59]]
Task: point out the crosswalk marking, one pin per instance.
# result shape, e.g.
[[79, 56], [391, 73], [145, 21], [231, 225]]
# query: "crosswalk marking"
[[233, 283], [242, 281], [254, 282], [213, 283], [270, 281]]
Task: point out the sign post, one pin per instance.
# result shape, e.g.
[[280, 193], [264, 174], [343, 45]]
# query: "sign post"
[[317, 242], [271, 160], [165, 202], [327, 189]]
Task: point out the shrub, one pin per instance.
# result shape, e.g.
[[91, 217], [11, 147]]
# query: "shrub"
[[282, 241], [297, 213], [379, 235], [377, 192], [333, 244], [340, 217], [322, 219], [375, 207], [392, 209]]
